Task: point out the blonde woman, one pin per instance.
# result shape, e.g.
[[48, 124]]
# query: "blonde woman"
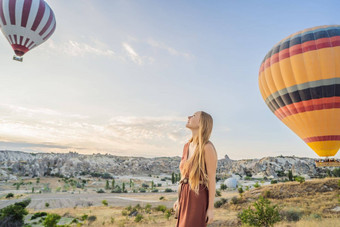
[[198, 170]]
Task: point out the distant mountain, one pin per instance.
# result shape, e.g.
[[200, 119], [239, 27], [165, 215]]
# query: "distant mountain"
[[17, 163]]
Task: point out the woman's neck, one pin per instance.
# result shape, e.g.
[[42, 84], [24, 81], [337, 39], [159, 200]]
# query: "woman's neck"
[[194, 133]]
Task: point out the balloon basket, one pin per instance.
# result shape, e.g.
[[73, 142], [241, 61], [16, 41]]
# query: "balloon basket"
[[327, 162], [16, 58]]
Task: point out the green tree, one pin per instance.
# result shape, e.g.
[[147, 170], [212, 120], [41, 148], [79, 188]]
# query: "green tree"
[[38, 180], [290, 175], [32, 189], [130, 183], [51, 220], [123, 187], [107, 187], [263, 215], [105, 203], [223, 187], [152, 185], [173, 178]]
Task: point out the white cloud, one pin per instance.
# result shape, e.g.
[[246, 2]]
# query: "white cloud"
[[75, 48], [132, 54], [169, 49]]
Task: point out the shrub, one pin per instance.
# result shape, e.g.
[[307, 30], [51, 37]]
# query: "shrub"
[[38, 215], [240, 190], [247, 178], [100, 191], [84, 217], [9, 195], [104, 202], [145, 185], [92, 218], [168, 190], [138, 217], [168, 213], [256, 185], [219, 203], [159, 185], [273, 181], [155, 190], [162, 197], [47, 205], [299, 179], [124, 213], [161, 208], [291, 215], [142, 190], [218, 193], [51, 220], [263, 215], [234, 200], [223, 187]]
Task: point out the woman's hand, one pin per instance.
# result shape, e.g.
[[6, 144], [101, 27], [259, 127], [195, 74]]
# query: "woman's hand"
[[210, 216], [175, 204]]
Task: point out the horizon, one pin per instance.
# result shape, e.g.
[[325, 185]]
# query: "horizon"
[[124, 79]]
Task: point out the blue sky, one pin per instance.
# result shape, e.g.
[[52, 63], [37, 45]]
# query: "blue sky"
[[121, 77]]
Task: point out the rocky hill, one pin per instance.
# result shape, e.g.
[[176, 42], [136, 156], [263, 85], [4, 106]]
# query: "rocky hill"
[[17, 163]]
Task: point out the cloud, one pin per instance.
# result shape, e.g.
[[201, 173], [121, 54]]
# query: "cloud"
[[75, 48], [169, 49], [51, 131], [135, 57]]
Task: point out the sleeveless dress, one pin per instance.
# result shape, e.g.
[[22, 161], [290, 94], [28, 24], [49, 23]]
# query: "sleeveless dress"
[[193, 208]]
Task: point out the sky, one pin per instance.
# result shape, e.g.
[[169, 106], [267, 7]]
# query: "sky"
[[121, 77]]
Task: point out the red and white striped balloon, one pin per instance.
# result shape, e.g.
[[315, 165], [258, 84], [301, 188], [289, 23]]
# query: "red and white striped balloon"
[[26, 23]]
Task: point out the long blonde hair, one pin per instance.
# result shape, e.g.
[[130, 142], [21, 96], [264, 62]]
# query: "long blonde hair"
[[197, 161]]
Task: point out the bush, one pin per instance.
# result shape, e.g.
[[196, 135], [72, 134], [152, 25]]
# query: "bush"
[[247, 178], [162, 197], [100, 191], [142, 190], [9, 195], [263, 215], [84, 217], [13, 215], [138, 217], [223, 187], [168, 214], [219, 203], [299, 179], [38, 215], [256, 185], [266, 194], [51, 220], [92, 218], [218, 193], [155, 190], [234, 200], [291, 215], [273, 181], [104, 202], [161, 208], [240, 190], [145, 185], [47, 205], [168, 190]]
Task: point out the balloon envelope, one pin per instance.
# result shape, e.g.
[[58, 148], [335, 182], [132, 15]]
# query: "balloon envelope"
[[299, 80], [26, 23]]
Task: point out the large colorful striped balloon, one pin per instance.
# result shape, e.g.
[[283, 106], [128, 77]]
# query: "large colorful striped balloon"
[[26, 23], [299, 80]]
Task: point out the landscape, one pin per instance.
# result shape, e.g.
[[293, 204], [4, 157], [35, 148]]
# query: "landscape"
[[107, 190]]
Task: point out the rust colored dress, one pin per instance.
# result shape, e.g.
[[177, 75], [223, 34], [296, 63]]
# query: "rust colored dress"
[[193, 208]]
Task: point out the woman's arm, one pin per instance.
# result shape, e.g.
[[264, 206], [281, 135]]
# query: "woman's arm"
[[211, 164]]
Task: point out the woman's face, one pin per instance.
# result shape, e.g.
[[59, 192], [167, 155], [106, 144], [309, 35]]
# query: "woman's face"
[[193, 121]]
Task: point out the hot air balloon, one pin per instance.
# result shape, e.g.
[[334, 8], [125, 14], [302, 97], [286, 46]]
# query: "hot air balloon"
[[26, 24], [299, 80]]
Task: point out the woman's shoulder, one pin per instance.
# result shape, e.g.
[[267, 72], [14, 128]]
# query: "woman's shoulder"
[[209, 145]]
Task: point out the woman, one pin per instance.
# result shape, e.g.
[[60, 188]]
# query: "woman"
[[198, 165]]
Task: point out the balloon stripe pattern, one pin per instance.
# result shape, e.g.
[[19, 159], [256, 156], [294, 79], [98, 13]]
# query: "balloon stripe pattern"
[[26, 23], [299, 80]]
